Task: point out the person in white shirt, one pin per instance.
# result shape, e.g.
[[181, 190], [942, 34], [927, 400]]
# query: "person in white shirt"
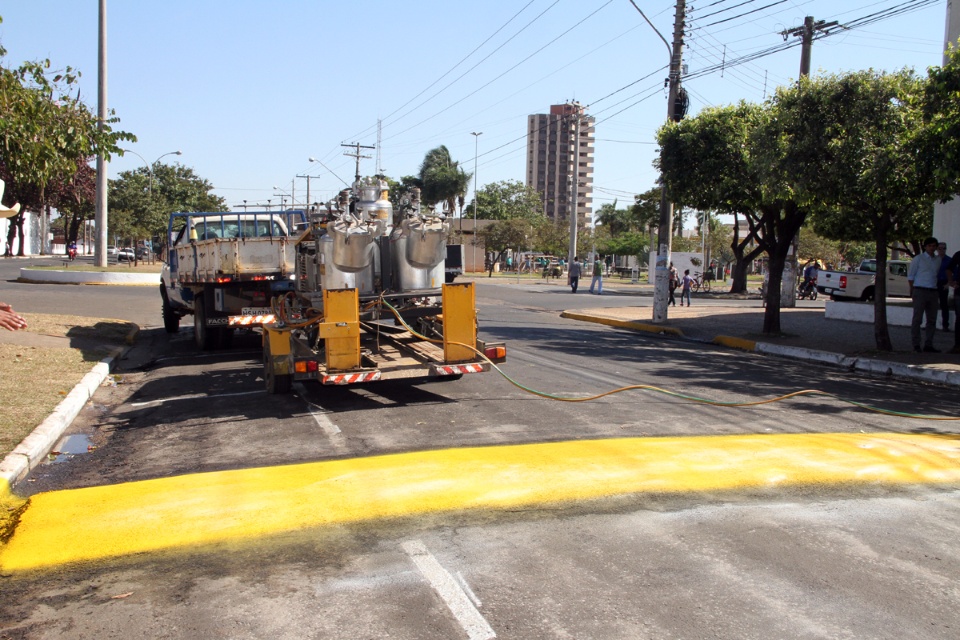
[[922, 276]]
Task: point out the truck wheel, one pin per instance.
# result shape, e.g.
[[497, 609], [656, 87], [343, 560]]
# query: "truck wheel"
[[867, 294], [202, 334], [276, 383], [171, 319]]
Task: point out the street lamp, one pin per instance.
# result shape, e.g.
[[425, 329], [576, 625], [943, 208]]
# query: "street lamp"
[[476, 145], [330, 170]]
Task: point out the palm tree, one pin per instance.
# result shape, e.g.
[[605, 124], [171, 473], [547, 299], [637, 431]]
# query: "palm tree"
[[443, 179]]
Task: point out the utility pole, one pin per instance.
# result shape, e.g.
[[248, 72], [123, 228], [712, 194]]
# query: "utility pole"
[[788, 289], [100, 241], [308, 188], [661, 290], [356, 155]]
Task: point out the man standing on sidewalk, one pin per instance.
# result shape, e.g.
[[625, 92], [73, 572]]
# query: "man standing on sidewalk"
[[953, 282], [922, 276], [943, 291]]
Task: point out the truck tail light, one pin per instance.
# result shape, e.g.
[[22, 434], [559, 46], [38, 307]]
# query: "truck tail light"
[[843, 282], [495, 353], [305, 366], [223, 279]]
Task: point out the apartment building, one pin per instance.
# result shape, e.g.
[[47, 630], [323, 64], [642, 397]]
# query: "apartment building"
[[554, 158]]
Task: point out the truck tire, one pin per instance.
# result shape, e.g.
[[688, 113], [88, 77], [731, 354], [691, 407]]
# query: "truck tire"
[[171, 319], [867, 294], [276, 383], [202, 334]]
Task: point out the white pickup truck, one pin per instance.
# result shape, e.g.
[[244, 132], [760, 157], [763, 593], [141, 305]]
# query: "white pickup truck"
[[223, 268], [861, 284]]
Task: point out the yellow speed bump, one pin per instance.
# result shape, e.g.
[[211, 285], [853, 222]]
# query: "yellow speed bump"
[[186, 511]]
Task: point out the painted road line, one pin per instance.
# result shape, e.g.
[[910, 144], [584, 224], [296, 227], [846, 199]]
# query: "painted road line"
[[449, 591], [184, 512], [319, 413]]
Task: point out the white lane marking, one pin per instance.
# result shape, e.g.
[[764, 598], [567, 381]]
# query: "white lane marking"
[[318, 413], [192, 396], [449, 591]]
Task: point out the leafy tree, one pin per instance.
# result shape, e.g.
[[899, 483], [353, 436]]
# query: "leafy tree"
[[141, 201], [940, 136], [507, 200], [45, 135], [503, 235], [862, 129], [706, 163], [442, 179]]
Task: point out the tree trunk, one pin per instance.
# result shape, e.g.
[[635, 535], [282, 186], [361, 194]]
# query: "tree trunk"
[[881, 331], [771, 315], [19, 223]]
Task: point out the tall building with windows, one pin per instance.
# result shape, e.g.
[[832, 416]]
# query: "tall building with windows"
[[554, 157]]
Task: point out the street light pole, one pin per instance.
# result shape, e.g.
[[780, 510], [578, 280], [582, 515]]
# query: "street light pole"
[[100, 241], [476, 200]]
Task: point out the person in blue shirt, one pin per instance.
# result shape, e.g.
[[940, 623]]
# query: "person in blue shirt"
[[922, 276]]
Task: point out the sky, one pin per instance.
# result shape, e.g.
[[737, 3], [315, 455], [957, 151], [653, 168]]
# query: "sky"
[[249, 91]]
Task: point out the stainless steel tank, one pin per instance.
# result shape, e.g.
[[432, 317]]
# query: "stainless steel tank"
[[419, 250], [333, 276]]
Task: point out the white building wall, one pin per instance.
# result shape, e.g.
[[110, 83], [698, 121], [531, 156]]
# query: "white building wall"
[[31, 229], [946, 216]]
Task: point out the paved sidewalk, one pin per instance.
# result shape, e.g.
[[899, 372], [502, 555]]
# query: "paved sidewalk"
[[806, 335]]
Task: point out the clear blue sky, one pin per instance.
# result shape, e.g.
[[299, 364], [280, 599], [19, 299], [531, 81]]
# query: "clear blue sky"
[[249, 90]]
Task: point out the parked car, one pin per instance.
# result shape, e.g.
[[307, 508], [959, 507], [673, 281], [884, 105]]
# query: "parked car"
[[143, 253], [125, 255], [859, 285], [111, 250]]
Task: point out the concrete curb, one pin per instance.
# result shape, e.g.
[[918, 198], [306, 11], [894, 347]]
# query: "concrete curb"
[[53, 276], [623, 324], [35, 447], [867, 365]]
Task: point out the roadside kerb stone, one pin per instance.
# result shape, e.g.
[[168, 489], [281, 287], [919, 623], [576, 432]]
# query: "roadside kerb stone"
[[623, 324], [50, 276], [36, 446]]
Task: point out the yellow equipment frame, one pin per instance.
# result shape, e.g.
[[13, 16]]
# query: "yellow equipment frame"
[[341, 329], [459, 322]]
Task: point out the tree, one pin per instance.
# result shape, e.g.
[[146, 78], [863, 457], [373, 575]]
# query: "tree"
[[855, 153], [141, 201], [507, 200], [45, 134], [706, 163], [442, 179], [503, 235]]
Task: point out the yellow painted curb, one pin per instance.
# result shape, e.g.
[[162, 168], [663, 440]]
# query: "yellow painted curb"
[[623, 324], [194, 510], [736, 343]]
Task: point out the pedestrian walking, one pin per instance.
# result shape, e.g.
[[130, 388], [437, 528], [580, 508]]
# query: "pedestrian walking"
[[597, 280], [686, 283], [574, 274], [943, 291], [922, 277], [674, 283]]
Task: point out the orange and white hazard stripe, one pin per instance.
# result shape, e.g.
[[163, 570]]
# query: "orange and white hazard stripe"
[[350, 378], [245, 321], [459, 369]]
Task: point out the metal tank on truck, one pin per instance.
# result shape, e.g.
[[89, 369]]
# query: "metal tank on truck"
[[419, 248], [370, 301]]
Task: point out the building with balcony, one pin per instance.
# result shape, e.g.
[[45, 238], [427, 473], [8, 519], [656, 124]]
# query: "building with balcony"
[[560, 147]]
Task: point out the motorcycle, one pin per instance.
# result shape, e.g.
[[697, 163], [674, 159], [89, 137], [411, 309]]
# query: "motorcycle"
[[72, 253], [807, 289]]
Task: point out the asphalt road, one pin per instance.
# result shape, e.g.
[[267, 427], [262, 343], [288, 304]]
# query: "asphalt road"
[[807, 560]]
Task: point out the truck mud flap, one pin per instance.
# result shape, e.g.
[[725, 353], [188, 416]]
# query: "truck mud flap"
[[458, 369]]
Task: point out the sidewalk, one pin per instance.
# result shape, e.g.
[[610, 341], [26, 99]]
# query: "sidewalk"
[[805, 334]]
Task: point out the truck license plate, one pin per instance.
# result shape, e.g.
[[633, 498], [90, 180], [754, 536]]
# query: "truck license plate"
[[256, 311]]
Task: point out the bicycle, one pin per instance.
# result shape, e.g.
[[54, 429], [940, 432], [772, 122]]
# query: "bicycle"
[[699, 283]]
